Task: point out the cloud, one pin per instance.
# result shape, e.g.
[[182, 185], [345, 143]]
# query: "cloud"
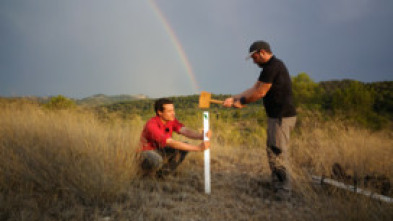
[[79, 48], [345, 10]]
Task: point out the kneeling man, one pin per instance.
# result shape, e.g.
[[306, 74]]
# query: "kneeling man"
[[160, 153]]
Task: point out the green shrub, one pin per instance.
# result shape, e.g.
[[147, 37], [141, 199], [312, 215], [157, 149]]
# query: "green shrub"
[[60, 103], [306, 92]]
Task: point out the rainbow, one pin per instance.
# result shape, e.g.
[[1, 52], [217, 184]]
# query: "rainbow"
[[176, 43]]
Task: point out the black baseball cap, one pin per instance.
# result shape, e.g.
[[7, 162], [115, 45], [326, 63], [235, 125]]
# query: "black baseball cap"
[[257, 46]]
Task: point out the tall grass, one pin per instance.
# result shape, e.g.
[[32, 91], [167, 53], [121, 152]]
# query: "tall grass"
[[58, 153], [317, 145], [72, 164]]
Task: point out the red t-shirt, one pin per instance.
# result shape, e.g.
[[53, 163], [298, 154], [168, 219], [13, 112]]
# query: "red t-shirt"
[[155, 133]]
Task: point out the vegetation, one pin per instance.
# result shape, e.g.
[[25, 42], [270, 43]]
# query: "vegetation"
[[306, 92], [102, 99], [59, 103], [79, 163], [368, 105]]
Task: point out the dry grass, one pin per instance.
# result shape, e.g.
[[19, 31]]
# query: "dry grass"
[[53, 155], [318, 145], [68, 165]]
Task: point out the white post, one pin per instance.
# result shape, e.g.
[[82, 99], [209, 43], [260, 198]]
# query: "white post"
[[206, 152]]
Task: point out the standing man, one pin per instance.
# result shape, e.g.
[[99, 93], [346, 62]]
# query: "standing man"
[[160, 153], [275, 87]]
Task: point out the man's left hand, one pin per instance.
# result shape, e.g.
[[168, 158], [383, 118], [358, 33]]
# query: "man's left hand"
[[204, 145]]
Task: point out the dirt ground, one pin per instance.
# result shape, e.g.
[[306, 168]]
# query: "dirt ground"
[[240, 190]]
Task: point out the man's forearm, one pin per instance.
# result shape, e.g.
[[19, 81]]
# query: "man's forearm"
[[191, 133], [246, 93], [255, 93], [181, 145], [254, 97]]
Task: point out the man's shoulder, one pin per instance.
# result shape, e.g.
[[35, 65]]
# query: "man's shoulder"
[[276, 61], [176, 121], [277, 65], [152, 121], [155, 121]]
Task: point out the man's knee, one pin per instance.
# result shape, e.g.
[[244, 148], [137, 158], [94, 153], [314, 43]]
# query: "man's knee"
[[151, 160], [172, 153]]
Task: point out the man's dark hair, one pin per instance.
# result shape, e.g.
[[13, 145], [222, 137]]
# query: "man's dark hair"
[[159, 104]]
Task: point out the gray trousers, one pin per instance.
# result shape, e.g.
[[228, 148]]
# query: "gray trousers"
[[162, 161], [278, 136]]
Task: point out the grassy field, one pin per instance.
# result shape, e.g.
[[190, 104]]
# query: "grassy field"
[[76, 165]]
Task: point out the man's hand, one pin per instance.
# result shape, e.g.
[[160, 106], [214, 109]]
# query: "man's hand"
[[237, 104], [204, 145], [209, 134], [232, 102], [229, 102]]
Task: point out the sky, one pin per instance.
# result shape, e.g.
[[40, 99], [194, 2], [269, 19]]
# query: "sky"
[[175, 47]]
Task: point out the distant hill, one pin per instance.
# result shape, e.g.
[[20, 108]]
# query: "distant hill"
[[102, 99], [32, 99]]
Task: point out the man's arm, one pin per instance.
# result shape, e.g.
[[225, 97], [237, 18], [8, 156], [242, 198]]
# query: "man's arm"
[[253, 94], [260, 89], [192, 134], [187, 147], [247, 92]]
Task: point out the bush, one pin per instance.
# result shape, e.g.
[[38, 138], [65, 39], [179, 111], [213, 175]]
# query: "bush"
[[60, 103], [355, 98], [306, 92]]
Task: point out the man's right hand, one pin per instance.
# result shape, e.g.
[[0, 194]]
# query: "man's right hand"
[[209, 134], [237, 104], [228, 102]]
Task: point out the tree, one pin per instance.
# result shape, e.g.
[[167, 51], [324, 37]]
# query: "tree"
[[60, 102], [356, 98], [305, 91]]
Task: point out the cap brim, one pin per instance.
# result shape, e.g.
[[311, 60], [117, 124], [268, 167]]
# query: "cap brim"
[[249, 55]]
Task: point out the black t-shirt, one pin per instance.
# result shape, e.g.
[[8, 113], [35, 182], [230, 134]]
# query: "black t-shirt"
[[278, 101]]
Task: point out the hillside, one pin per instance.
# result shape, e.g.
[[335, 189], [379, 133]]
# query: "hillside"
[[77, 165], [102, 99]]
